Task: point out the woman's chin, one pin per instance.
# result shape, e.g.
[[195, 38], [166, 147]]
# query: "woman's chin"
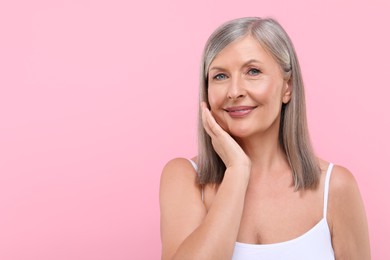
[[240, 133]]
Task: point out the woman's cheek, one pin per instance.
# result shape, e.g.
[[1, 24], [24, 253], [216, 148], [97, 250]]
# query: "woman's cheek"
[[216, 94], [219, 118], [213, 100]]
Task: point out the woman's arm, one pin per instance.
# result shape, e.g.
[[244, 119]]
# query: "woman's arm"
[[347, 217], [187, 230]]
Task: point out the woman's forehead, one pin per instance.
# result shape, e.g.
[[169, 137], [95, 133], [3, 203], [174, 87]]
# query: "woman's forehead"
[[242, 51]]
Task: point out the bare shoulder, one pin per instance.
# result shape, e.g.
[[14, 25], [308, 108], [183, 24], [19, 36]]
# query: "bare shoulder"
[[179, 178], [341, 179], [179, 171], [346, 216], [343, 183], [343, 189]]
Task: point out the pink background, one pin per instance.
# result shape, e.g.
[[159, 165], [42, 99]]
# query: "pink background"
[[96, 96]]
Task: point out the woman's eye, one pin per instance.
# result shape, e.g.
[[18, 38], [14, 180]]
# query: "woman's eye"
[[220, 76], [254, 72]]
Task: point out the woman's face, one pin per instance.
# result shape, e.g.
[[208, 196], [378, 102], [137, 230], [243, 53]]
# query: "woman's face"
[[246, 89]]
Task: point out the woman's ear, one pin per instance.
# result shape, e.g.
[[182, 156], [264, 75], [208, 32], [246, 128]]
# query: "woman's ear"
[[287, 89]]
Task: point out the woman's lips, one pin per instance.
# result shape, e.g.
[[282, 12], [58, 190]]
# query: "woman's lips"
[[239, 111]]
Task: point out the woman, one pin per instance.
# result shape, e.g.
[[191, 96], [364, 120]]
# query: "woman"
[[256, 189]]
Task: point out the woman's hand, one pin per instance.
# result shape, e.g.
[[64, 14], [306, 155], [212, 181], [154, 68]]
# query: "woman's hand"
[[225, 146]]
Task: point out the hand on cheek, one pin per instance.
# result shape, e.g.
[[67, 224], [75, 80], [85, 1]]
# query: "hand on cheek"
[[224, 145]]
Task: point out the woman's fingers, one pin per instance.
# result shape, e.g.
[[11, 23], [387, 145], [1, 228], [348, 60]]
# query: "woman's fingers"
[[209, 123], [205, 120]]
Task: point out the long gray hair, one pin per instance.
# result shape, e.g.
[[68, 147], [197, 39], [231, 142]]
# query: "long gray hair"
[[293, 132]]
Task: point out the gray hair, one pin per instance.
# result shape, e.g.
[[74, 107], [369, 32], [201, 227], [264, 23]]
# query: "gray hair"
[[293, 132]]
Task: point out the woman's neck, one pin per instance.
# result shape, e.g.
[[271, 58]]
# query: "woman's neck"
[[265, 152]]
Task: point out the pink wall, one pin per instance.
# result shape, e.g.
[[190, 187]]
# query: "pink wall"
[[95, 97]]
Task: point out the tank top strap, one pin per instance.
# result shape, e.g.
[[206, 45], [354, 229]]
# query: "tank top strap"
[[326, 188], [194, 165], [197, 171]]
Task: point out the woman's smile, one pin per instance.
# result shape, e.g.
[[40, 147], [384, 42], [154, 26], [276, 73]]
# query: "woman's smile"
[[239, 111]]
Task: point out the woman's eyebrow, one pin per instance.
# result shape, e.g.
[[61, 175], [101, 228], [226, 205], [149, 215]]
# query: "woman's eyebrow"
[[244, 65], [216, 68], [251, 61]]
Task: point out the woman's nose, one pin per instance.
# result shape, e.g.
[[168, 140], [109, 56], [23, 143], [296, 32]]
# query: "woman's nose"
[[236, 89]]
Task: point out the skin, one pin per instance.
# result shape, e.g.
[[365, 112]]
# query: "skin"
[[255, 203]]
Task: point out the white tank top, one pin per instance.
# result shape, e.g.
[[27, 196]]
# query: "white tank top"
[[315, 244]]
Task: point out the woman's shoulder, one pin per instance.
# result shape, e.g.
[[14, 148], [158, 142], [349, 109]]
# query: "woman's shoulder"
[[180, 164], [179, 187], [341, 177], [179, 170], [344, 192]]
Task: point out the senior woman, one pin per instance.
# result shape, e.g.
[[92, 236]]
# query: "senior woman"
[[256, 190]]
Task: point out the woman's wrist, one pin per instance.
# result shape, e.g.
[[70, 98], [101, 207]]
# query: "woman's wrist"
[[242, 169]]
